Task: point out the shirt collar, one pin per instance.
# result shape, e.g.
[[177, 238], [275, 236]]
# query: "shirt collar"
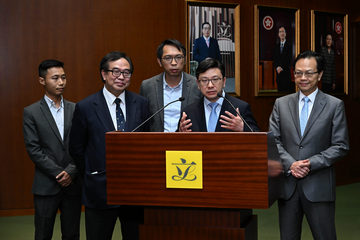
[[110, 98], [219, 101], [51, 103], [311, 96], [166, 85]]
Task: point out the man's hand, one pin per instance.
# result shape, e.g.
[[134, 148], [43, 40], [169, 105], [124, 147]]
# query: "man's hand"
[[279, 70], [185, 124], [63, 179], [232, 122], [301, 168]]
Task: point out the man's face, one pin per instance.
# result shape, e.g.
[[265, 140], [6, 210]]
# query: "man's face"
[[210, 89], [282, 34], [116, 85], [307, 84], [172, 68], [206, 30], [54, 82], [328, 41]]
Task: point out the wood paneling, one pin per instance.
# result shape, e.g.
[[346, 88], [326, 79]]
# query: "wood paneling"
[[81, 32]]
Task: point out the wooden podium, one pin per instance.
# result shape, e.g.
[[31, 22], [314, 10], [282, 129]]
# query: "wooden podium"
[[235, 180]]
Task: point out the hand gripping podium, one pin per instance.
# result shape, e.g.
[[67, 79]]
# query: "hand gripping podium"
[[236, 169]]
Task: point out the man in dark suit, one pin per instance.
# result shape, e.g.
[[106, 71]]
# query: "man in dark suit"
[[112, 108], [168, 86], [282, 61], [46, 126], [213, 113], [206, 46], [311, 134]]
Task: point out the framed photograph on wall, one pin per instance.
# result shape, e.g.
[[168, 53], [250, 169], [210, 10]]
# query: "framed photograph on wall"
[[213, 30], [277, 43], [329, 36]]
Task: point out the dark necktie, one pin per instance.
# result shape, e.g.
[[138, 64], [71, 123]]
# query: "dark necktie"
[[281, 47], [120, 120]]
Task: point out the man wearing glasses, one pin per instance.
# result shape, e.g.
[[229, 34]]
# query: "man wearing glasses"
[[213, 113], [112, 108], [168, 86], [311, 134]]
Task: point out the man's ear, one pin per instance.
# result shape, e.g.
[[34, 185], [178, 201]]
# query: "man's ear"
[[320, 75], [103, 75], [159, 62], [42, 81]]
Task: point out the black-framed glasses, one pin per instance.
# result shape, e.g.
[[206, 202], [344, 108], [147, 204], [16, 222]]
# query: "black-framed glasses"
[[299, 74], [117, 72], [177, 58], [205, 81]]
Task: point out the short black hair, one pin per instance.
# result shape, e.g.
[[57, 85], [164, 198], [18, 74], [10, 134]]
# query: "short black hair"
[[320, 62], [208, 63], [172, 42], [202, 25], [49, 63], [111, 57]]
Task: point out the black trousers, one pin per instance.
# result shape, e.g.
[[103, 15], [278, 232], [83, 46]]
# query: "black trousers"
[[46, 208], [320, 216], [100, 223]]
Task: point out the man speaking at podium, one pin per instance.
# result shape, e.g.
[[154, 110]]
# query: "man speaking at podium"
[[216, 111]]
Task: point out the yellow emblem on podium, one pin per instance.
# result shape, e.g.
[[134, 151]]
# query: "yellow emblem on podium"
[[184, 169]]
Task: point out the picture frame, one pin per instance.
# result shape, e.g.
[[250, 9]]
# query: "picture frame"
[[329, 37], [273, 58], [224, 21]]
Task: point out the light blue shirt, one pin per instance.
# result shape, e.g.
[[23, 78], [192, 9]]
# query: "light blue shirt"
[[207, 108], [310, 103], [57, 113], [172, 112], [110, 101]]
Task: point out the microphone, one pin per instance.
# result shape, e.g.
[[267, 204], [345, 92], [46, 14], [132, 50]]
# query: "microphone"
[[161, 109], [221, 96]]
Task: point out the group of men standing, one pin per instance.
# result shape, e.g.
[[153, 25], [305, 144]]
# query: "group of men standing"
[[66, 142]]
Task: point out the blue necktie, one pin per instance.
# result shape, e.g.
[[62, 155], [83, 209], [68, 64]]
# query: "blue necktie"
[[120, 120], [304, 114], [213, 117]]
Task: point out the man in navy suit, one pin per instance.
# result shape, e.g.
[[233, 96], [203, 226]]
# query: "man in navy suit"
[[206, 46], [112, 108], [56, 183], [213, 113]]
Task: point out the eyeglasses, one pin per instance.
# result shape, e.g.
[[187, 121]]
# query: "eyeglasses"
[[117, 72], [205, 81], [177, 58], [299, 74]]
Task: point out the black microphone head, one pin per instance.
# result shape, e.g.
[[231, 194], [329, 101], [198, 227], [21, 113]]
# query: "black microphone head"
[[219, 95], [181, 99]]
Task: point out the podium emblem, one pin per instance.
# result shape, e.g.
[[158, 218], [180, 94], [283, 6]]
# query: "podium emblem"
[[184, 169]]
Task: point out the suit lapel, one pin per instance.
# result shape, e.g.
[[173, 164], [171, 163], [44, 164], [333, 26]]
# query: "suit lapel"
[[67, 118], [225, 107], [318, 107], [159, 92], [130, 111], [102, 112], [185, 91], [294, 112], [201, 116], [50, 119]]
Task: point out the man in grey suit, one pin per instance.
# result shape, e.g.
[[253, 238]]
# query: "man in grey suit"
[[46, 128], [168, 86], [311, 133]]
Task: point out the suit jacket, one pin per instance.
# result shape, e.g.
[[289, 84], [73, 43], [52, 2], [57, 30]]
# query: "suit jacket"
[[202, 51], [47, 150], [91, 121], [196, 113], [325, 141], [153, 90]]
